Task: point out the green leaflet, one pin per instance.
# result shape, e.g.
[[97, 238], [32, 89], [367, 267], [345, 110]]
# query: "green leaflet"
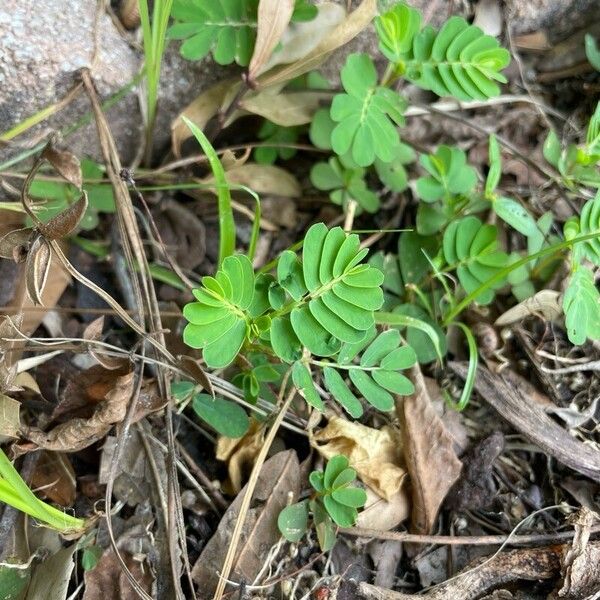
[[471, 248], [592, 52], [589, 222], [217, 321], [459, 60], [344, 181], [366, 115], [276, 135], [449, 175], [581, 303], [227, 418], [376, 374]]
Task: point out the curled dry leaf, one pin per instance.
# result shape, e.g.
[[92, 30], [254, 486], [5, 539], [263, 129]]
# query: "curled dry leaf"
[[545, 303], [375, 454], [532, 421], [285, 109], [93, 331], [55, 478], [79, 433], [65, 222], [15, 244], [278, 478], [273, 18], [202, 110], [429, 454], [341, 35], [65, 163], [196, 372], [37, 267], [240, 454], [263, 179]]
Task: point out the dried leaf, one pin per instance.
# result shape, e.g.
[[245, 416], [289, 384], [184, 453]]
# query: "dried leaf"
[[37, 268], [55, 478], [107, 580], [299, 39], [10, 422], [384, 515], [263, 179], [201, 111], [64, 223], [240, 454], [273, 18], [545, 303], [279, 477], [65, 163], [93, 331], [51, 577], [196, 372], [375, 454], [430, 459], [15, 244], [79, 433], [341, 35], [294, 108]]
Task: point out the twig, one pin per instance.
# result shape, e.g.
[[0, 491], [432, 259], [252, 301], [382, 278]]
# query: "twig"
[[260, 459], [464, 540]]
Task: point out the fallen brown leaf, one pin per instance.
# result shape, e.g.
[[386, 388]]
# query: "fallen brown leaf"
[[79, 433], [273, 18], [384, 515], [429, 454], [10, 421], [65, 222], [54, 477], [375, 454], [279, 477], [37, 267], [65, 163]]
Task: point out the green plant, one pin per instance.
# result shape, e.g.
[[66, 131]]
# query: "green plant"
[[15, 492], [276, 135], [334, 502], [227, 28]]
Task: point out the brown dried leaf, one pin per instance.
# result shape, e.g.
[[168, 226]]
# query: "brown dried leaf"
[[93, 331], [429, 454], [263, 179], [240, 454], [341, 35], [79, 433], [273, 18], [278, 477], [375, 454], [65, 163], [14, 244], [384, 515], [531, 420], [107, 581], [37, 268], [196, 372], [64, 223], [201, 110], [294, 108], [55, 478], [10, 422], [51, 577]]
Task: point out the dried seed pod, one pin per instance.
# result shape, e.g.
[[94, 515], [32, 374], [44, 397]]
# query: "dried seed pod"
[[129, 14], [37, 268]]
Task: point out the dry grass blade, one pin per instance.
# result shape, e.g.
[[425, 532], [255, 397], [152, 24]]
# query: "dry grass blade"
[[273, 18], [530, 419]]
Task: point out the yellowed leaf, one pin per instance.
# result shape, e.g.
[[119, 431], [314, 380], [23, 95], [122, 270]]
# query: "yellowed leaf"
[[341, 35], [9, 418], [202, 110], [545, 303], [273, 18], [294, 108], [240, 454], [429, 454], [263, 179], [382, 514], [375, 454]]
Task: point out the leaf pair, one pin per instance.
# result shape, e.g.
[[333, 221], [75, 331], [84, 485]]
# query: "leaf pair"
[[472, 249], [375, 376], [335, 295], [218, 321], [459, 60], [366, 115], [581, 304]]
